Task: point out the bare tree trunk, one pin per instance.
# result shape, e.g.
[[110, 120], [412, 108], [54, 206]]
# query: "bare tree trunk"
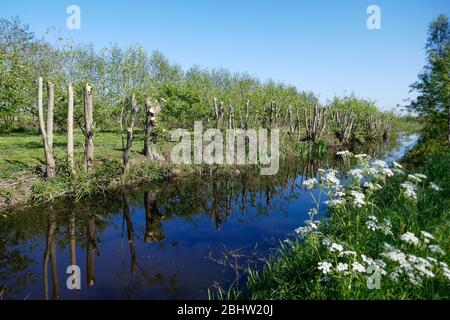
[[153, 231], [153, 109], [91, 251], [448, 134], [72, 239], [218, 108], [130, 232], [315, 123], [129, 144], [70, 128], [88, 128], [50, 255], [230, 117], [47, 131]]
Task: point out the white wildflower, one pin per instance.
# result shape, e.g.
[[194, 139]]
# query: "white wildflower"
[[358, 198], [335, 247], [342, 267], [397, 165], [436, 249], [414, 178], [358, 267], [387, 172], [435, 187], [410, 238], [310, 183], [380, 263], [331, 178], [356, 173], [334, 202], [427, 235], [347, 253], [432, 260], [372, 186], [380, 164], [325, 267], [344, 154], [372, 225], [367, 260], [409, 190], [420, 176]]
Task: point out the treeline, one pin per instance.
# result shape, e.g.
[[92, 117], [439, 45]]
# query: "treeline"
[[115, 74]]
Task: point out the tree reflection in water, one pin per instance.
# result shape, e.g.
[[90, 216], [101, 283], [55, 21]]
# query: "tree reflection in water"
[[245, 207]]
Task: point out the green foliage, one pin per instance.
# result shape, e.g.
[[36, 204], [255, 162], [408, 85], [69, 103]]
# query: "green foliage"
[[433, 85], [293, 273], [310, 150]]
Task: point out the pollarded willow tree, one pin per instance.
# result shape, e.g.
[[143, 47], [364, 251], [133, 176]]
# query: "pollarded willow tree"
[[153, 109], [47, 128], [88, 129]]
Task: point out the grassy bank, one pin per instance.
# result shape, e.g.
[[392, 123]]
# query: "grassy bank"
[[385, 240], [22, 163], [22, 168]]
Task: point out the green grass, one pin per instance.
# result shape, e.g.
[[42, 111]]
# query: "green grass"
[[26, 150], [22, 155], [293, 272]]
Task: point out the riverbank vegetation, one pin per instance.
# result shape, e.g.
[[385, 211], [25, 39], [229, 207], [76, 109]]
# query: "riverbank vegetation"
[[77, 120], [387, 231]]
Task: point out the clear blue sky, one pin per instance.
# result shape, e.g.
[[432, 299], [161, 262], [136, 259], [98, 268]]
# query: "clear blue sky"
[[322, 46]]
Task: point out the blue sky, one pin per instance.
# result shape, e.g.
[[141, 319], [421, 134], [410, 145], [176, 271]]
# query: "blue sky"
[[322, 46]]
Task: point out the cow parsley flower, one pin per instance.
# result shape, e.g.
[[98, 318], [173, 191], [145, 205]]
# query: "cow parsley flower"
[[427, 235], [436, 249], [414, 178], [387, 172], [358, 267], [325, 267], [330, 178], [372, 225], [341, 267], [367, 260], [372, 186], [409, 190], [397, 165], [310, 183], [435, 187], [420, 176], [356, 173], [335, 247], [344, 154], [358, 198], [380, 164], [410, 238], [347, 253], [334, 202]]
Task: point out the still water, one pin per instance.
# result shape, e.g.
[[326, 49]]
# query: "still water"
[[172, 240]]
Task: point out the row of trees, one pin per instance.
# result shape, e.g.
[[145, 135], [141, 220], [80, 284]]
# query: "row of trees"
[[116, 74], [128, 89]]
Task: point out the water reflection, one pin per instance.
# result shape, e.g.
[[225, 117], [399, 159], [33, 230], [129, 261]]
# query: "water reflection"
[[160, 241]]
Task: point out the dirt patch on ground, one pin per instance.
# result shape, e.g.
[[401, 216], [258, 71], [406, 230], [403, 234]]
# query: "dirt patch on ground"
[[16, 189]]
